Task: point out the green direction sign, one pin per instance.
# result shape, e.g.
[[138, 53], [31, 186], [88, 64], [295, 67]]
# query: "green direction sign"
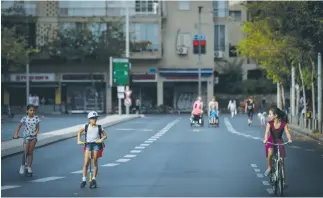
[[120, 69]]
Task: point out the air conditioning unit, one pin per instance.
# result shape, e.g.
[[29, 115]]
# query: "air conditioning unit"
[[182, 50], [218, 54]]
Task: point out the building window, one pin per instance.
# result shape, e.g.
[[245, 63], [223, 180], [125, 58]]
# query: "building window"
[[145, 37], [97, 29], [235, 15], [82, 8], [220, 8], [219, 37], [144, 6], [19, 7], [183, 5]]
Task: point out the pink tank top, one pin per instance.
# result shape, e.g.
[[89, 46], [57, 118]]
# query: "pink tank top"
[[197, 108]]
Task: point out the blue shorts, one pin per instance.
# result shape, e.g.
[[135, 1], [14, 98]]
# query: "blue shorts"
[[93, 146], [213, 114]]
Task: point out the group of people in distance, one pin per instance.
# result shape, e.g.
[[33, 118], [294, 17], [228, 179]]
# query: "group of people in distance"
[[275, 127]]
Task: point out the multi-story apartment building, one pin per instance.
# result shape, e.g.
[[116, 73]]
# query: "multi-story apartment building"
[[165, 72]]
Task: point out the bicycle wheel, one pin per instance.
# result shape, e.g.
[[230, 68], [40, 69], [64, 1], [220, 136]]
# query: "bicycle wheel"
[[280, 180]]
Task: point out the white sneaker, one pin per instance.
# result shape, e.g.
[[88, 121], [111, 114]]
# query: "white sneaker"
[[29, 170], [22, 169]]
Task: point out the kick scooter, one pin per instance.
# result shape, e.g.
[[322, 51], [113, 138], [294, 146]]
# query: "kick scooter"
[[92, 184], [25, 156]]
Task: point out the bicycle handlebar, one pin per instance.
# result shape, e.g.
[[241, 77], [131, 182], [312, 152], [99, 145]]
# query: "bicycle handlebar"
[[279, 144]]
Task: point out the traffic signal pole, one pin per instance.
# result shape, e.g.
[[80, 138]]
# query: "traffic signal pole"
[[127, 48], [199, 55]]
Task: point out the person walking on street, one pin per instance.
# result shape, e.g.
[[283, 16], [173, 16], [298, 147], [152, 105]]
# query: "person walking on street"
[[249, 108]]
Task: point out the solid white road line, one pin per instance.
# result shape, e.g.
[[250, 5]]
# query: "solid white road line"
[[254, 165], [135, 151], [130, 156], [122, 160], [8, 187], [139, 147], [46, 179], [266, 183], [110, 164]]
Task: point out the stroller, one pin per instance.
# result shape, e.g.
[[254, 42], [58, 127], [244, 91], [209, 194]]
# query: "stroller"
[[197, 120]]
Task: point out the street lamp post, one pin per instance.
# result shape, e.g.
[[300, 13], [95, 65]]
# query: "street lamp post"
[[127, 46], [199, 55]]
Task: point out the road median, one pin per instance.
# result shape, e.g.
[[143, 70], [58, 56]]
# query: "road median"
[[15, 146]]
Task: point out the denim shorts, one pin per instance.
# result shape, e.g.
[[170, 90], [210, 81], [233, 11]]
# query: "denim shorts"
[[93, 146]]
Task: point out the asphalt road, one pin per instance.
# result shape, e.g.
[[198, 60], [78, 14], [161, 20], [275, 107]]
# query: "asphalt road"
[[180, 161], [47, 124]]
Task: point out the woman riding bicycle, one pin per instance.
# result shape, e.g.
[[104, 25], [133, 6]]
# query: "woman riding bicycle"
[[275, 128]]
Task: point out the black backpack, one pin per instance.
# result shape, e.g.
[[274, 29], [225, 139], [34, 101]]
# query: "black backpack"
[[100, 131]]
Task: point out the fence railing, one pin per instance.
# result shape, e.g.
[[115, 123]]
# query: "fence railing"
[[306, 123]]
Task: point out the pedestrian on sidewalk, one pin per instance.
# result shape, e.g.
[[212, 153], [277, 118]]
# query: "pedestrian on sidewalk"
[[31, 129], [249, 109], [94, 137]]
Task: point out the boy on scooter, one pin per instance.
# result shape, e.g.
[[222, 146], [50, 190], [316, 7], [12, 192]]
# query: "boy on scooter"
[[94, 137]]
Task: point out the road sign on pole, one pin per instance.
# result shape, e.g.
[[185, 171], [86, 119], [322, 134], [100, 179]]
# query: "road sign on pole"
[[120, 71]]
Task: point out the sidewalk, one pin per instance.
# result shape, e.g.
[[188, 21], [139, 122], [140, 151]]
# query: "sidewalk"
[[306, 132], [15, 146]]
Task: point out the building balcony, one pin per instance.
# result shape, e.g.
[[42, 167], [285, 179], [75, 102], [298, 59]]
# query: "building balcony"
[[145, 50]]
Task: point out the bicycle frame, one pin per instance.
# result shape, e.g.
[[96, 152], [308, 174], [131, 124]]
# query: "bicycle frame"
[[276, 177]]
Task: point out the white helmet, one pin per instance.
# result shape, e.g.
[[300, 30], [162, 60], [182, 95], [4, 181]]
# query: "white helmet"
[[92, 114]]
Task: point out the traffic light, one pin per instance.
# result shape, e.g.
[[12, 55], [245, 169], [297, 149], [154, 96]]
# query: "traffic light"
[[203, 46], [196, 46]]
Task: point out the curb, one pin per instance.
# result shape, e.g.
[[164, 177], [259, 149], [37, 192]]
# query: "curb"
[[45, 140], [303, 132]]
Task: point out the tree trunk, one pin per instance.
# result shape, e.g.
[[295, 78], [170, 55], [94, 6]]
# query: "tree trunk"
[[297, 92], [303, 87], [282, 96], [313, 89]]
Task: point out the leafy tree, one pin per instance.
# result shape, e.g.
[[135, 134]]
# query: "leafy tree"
[[15, 51], [82, 44]]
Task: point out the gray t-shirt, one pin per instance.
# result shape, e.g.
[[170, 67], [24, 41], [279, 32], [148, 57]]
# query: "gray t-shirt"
[[92, 134]]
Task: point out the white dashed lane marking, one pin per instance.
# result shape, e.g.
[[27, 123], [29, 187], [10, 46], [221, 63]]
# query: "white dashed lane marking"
[[266, 183], [149, 142], [9, 187], [254, 165], [77, 172], [257, 170], [46, 179], [152, 139], [139, 147], [270, 191], [144, 144], [130, 156], [123, 160], [110, 164], [135, 151], [260, 175]]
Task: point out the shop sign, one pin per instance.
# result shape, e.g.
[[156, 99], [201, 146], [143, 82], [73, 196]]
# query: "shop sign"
[[40, 77]]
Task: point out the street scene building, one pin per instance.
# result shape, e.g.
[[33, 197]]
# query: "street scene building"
[[166, 58]]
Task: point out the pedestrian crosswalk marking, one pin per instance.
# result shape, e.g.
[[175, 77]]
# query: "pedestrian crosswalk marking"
[[260, 175], [9, 187], [266, 183], [254, 165], [46, 179], [139, 147], [270, 191], [149, 142], [257, 170], [144, 144]]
